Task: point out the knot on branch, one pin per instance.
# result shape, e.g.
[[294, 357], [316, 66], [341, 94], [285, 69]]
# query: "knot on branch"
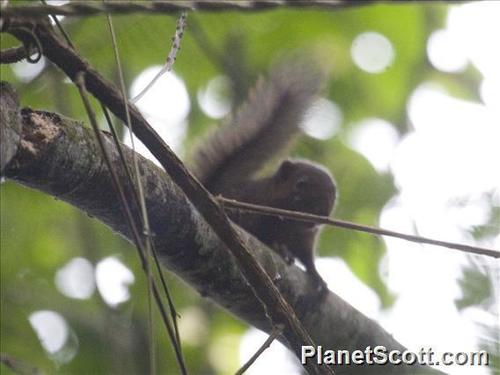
[[31, 49]]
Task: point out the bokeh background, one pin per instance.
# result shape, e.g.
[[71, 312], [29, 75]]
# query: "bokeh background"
[[408, 122]]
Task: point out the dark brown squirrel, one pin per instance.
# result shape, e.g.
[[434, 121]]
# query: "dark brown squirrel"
[[264, 126]]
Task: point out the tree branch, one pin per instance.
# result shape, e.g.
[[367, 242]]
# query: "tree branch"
[[276, 307], [12, 55], [89, 8], [232, 204], [60, 157]]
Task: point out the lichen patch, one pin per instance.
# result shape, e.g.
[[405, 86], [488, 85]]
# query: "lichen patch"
[[38, 131]]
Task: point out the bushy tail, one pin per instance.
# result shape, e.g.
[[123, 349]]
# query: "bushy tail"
[[261, 129]]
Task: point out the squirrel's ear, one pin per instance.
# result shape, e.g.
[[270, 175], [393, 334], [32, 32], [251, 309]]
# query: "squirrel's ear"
[[285, 169]]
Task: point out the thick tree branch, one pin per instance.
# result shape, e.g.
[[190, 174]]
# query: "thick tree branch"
[[276, 307], [10, 135], [60, 157]]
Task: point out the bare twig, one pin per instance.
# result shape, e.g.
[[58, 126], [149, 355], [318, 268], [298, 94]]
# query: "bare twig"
[[141, 201], [59, 26], [31, 46], [275, 333], [187, 245], [80, 83], [176, 46], [89, 8], [142, 205], [276, 307], [271, 211], [19, 367], [12, 55], [138, 201]]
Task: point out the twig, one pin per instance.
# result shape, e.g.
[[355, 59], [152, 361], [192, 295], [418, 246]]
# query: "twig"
[[171, 306], [176, 46], [31, 45], [89, 8], [80, 83], [276, 307], [19, 367], [275, 333], [142, 205], [12, 55], [138, 201], [271, 211], [59, 26]]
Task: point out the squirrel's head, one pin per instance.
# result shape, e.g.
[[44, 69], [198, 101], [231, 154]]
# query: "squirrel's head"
[[306, 187]]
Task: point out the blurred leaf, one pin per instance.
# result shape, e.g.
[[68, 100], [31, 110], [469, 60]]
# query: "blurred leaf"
[[476, 288], [40, 234], [491, 228]]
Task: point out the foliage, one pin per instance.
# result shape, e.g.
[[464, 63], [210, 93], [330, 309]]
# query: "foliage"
[[40, 234]]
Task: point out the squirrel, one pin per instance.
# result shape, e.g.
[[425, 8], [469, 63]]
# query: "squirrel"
[[227, 162]]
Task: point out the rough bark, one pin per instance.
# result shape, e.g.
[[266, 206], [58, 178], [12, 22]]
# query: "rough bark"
[[61, 157], [88, 79], [10, 135]]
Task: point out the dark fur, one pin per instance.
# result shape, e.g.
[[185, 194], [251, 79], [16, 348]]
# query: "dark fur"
[[228, 161]]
